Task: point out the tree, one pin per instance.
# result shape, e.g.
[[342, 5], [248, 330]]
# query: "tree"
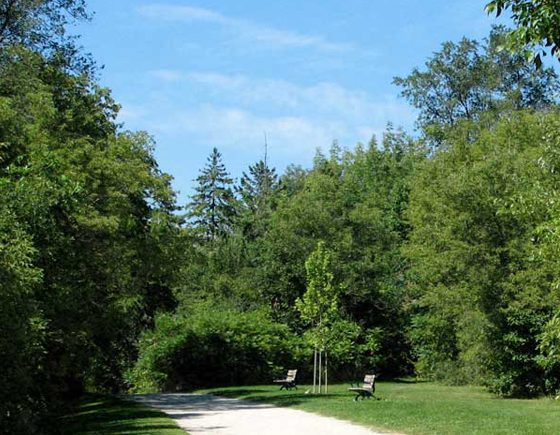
[[87, 237], [256, 192], [354, 201], [483, 253], [319, 306], [22, 327], [213, 205], [39, 24], [467, 79], [538, 26]]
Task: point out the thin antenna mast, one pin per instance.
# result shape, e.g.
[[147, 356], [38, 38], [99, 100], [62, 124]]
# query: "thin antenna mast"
[[266, 174], [265, 149]]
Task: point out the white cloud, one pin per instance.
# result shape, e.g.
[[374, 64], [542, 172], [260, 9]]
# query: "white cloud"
[[233, 111], [182, 13], [243, 28], [235, 128], [325, 99], [167, 75]]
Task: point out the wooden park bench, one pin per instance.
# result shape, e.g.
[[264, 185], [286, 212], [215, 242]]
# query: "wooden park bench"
[[289, 381], [366, 390]]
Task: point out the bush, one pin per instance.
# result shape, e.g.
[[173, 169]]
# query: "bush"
[[549, 358], [213, 347]]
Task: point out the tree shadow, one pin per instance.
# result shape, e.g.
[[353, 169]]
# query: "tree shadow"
[[402, 381], [109, 415], [232, 394], [287, 399], [190, 405]]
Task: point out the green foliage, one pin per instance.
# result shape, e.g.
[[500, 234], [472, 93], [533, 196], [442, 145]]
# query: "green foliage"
[[549, 358], [88, 239], [213, 345], [38, 24], [352, 351], [482, 277], [257, 191], [354, 201], [213, 207], [538, 26], [447, 258], [22, 328], [319, 304], [467, 79]]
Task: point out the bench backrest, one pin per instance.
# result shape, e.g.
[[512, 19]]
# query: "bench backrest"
[[291, 376], [369, 382]]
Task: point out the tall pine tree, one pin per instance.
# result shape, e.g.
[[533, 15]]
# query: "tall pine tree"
[[256, 193], [212, 208]]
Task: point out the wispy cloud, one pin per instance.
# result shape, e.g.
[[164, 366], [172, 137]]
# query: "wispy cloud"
[[238, 129], [243, 28], [325, 100], [167, 75], [236, 109]]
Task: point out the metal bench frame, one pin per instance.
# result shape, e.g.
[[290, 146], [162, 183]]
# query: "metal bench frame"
[[289, 381], [366, 390]]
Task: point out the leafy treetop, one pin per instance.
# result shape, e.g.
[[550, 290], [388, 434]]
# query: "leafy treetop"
[[538, 25]]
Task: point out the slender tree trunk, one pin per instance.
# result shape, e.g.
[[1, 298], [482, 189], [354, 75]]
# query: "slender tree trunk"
[[314, 369], [320, 369], [326, 372]]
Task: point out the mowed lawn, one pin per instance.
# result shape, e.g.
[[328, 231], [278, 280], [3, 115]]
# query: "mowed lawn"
[[107, 415], [418, 408]]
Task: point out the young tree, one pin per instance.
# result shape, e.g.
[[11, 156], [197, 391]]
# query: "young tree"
[[319, 306], [213, 205]]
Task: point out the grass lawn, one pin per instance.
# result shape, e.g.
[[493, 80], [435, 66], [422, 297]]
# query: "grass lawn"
[[99, 414], [418, 408]]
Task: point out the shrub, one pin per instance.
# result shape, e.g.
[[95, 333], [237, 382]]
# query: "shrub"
[[213, 347]]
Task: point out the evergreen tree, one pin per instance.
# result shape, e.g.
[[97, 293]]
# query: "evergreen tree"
[[256, 192], [213, 205]]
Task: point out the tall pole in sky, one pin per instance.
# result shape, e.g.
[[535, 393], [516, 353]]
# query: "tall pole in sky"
[[266, 178], [265, 149]]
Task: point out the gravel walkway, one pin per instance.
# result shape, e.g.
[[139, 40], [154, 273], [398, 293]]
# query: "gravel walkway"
[[209, 415]]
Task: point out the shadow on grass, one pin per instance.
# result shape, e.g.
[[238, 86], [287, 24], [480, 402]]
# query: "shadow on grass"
[[402, 381], [107, 415], [234, 394], [274, 399]]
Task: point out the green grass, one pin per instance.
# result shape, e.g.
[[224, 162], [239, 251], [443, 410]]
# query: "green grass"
[[106, 415], [418, 408]]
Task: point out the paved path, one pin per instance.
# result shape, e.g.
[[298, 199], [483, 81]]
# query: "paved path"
[[209, 415]]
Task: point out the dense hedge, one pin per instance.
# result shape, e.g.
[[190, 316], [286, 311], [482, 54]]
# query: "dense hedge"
[[212, 348]]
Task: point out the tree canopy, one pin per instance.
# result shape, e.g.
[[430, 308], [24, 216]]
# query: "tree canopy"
[[538, 26], [469, 79], [435, 255]]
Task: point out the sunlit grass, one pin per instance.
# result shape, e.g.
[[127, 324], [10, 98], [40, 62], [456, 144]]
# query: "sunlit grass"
[[418, 408], [106, 415]]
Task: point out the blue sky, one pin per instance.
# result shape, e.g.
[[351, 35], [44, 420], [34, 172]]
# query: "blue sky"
[[199, 74]]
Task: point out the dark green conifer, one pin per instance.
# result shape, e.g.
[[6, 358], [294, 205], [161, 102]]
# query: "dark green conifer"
[[212, 208], [256, 193]]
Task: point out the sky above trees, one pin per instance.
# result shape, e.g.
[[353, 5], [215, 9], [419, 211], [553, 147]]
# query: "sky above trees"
[[199, 75]]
